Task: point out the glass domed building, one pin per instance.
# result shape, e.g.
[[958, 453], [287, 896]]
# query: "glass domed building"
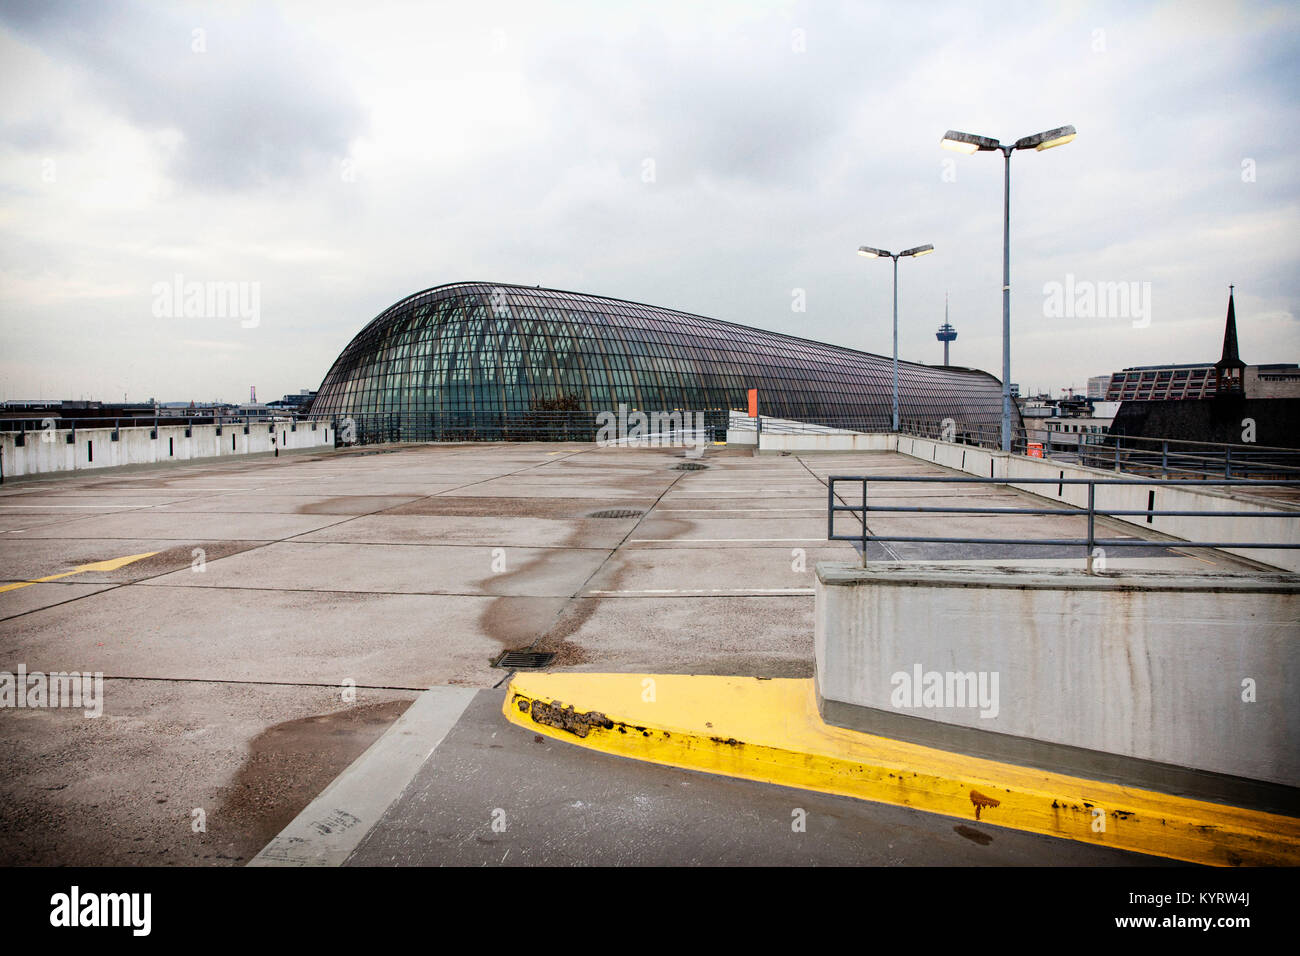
[[488, 360]]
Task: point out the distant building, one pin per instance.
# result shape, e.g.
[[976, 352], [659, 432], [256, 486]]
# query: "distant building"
[[1220, 399], [1098, 385], [1063, 423], [1161, 382], [301, 401], [58, 410], [1228, 376], [1273, 381], [487, 359]]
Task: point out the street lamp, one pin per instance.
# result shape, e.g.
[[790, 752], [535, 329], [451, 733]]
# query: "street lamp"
[[969, 143], [872, 253]]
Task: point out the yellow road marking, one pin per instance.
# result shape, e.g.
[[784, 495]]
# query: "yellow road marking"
[[771, 731], [112, 564]]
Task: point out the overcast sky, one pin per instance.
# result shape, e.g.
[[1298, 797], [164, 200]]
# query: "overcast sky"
[[709, 157]]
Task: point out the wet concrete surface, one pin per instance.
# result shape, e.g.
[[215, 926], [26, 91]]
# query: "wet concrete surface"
[[280, 582], [187, 773]]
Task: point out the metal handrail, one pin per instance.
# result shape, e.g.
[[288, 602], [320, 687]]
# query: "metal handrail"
[[1112, 451], [1168, 457], [1091, 511], [1203, 444], [367, 428], [32, 425]]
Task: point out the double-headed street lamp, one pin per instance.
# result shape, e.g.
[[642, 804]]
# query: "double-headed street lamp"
[[970, 143], [871, 253]]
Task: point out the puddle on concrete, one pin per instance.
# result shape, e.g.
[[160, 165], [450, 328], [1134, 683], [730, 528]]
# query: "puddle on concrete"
[[287, 766], [515, 621]]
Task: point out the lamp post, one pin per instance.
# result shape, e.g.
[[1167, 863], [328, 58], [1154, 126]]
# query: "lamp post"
[[969, 143], [871, 253]]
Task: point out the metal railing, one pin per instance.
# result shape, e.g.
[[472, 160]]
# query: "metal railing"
[[1181, 459], [1091, 511], [24, 430], [785, 426], [978, 435], [988, 435], [573, 426], [1168, 458], [40, 423]]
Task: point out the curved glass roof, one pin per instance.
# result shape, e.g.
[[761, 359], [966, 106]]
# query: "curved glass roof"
[[482, 351]]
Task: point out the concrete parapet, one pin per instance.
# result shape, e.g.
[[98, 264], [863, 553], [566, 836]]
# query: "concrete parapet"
[[51, 450], [1180, 681], [742, 436], [774, 442]]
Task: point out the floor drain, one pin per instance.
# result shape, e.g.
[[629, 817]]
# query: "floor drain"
[[690, 466], [524, 660], [616, 513]]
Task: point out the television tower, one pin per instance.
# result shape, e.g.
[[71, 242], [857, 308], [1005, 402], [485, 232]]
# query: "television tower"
[[946, 332]]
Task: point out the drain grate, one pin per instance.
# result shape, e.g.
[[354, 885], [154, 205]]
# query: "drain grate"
[[690, 466], [524, 660], [616, 513]]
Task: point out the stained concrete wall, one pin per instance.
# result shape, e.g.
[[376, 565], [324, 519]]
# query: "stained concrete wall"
[[50, 451], [1147, 666]]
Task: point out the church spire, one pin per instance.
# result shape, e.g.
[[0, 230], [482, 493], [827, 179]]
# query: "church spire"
[[1230, 368]]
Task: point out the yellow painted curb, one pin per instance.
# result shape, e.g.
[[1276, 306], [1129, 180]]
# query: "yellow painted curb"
[[771, 731]]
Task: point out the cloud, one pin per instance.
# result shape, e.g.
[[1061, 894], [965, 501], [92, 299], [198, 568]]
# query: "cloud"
[[254, 100], [507, 142]]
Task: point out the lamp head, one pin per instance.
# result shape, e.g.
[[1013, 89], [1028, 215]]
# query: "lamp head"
[[1047, 139], [966, 142]]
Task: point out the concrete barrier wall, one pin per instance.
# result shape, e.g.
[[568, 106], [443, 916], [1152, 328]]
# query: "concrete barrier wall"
[[1169, 496], [825, 441], [50, 451], [1147, 666], [978, 462]]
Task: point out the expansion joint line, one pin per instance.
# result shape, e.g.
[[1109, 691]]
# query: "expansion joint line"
[[865, 527]]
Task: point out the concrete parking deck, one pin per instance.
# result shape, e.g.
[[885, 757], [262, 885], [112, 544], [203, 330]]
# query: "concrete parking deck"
[[275, 586]]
